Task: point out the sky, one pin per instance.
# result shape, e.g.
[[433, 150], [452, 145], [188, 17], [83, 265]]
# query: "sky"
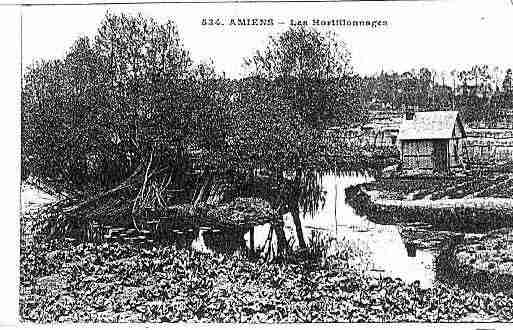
[[441, 35]]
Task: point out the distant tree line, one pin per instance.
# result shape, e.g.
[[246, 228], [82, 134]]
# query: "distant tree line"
[[481, 93]]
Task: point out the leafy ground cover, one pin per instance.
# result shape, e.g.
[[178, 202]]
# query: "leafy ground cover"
[[491, 254], [62, 281]]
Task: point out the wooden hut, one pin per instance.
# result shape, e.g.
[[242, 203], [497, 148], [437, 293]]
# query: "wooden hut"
[[431, 141]]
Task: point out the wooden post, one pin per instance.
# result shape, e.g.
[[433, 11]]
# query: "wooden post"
[[252, 239], [336, 222]]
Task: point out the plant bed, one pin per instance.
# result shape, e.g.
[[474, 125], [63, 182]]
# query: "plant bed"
[[502, 189], [473, 219], [439, 187], [437, 191], [400, 188]]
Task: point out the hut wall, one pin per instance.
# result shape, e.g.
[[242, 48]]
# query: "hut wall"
[[417, 154]]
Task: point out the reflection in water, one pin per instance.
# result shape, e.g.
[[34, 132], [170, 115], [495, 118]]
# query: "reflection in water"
[[223, 241], [392, 253], [389, 253], [411, 249]]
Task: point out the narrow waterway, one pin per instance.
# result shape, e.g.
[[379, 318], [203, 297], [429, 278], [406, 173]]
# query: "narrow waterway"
[[385, 252]]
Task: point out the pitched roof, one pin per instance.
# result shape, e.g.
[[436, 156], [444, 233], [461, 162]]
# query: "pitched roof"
[[430, 125]]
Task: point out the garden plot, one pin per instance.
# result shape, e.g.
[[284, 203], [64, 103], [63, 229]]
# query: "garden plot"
[[421, 190], [414, 188], [471, 187]]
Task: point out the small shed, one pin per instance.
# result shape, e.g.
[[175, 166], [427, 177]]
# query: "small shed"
[[431, 141]]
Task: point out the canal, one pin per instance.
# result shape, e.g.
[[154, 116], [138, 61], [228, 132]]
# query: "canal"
[[386, 250]]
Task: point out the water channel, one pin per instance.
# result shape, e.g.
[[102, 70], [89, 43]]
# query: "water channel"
[[388, 252]]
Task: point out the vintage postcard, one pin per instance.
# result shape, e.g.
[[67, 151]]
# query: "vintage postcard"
[[266, 162]]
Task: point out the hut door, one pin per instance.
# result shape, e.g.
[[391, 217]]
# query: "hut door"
[[440, 155]]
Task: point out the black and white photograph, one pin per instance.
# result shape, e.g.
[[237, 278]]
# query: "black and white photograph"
[[264, 162]]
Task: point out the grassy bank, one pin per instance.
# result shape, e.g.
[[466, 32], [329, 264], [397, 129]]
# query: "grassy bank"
[[124, 283]]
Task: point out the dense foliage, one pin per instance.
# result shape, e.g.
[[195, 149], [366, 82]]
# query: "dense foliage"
[[111, 104], [132, 98], [92, 118]]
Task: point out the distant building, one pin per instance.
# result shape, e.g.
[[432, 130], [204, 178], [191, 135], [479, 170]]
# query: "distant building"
[[431, 141]]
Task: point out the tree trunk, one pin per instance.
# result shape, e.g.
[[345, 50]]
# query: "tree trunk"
[[297, 223], [294, 209]]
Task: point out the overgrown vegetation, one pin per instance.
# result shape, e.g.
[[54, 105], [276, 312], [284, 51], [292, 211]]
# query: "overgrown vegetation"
[[123, 283], [482, 263]]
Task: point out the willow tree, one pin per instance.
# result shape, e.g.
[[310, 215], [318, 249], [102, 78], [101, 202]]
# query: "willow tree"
[[167, 105], [306, 84], [132, 92]]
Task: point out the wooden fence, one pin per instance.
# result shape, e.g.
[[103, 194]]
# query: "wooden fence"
[[488, 151], [482, 147]]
